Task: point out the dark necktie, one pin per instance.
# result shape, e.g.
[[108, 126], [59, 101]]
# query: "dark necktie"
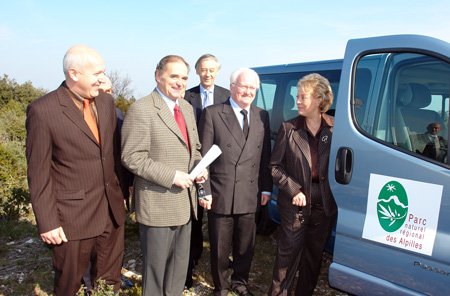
[[179, 118], [90, 118], [245, 126]]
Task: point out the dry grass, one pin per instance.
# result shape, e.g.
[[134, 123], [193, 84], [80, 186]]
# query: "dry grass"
[[25, 264]]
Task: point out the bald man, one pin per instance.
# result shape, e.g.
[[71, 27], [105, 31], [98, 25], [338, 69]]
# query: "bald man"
[[71, 151]]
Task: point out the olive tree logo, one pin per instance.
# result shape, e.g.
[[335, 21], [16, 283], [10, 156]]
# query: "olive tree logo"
[[392, 206]]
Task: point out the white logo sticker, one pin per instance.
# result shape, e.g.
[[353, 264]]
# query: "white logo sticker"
[[402, 213]]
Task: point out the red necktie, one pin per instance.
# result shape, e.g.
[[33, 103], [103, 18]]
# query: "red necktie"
[[90, 119], [181, 124]]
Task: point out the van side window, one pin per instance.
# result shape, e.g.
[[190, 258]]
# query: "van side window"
[[402, 99], [266, 95]]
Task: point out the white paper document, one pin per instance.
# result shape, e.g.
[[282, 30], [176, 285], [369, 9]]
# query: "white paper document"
[[207, 159]]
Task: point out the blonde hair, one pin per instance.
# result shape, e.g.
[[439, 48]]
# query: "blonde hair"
[[320, 88]]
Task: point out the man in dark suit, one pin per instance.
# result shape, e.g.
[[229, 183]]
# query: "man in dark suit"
[[71, 152], [206, 93], [200, 97], [160, 146], [240, 179]]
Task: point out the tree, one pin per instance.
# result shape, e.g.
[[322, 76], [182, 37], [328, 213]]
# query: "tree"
[[120, 85]]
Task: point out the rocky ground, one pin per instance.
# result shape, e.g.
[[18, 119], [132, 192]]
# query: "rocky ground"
[[25, 266]]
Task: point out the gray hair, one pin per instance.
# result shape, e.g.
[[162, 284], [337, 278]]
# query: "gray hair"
[[77, 57], [207, 56], [235, 75], [161, 66]]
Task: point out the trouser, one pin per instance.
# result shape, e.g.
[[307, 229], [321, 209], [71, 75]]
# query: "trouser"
[[165, 259], [301, 240], [71, 260], [196, 247], [231, 234]]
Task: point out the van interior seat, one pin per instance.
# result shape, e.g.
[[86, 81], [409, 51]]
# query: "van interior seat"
[[412, 100], [289, 104]]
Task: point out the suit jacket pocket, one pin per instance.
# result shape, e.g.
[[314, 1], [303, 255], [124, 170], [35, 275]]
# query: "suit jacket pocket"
[[70, 195]]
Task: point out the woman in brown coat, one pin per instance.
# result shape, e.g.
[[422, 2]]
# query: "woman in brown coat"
[[299, 167]]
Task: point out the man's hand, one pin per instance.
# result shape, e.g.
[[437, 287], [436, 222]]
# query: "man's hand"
[[205, 202], [182, 180], [264, 199], [202, 177], [299, 200], [54, 237]]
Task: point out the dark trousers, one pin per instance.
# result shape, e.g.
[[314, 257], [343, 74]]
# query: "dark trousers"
[[231, 234], [166, 254], [71, 259], [303, 236], [196, 247]]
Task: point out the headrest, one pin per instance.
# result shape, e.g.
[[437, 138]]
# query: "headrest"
[[290, 102], [415, 96]]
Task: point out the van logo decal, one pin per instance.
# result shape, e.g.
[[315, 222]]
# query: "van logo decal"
[[392, 206], [402, 213]]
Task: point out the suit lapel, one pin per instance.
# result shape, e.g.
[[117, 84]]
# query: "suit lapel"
[[166, 115], [100, 103], [253, 124], [190, 124], [231, 122], [196, 101], [300, 138], [73, 113], [196, 98], [324, 143]]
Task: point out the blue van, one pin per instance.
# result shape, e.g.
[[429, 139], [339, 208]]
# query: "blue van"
[[389, 169]]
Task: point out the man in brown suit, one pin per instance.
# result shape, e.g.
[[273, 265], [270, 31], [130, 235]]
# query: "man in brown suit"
[[71, 154], [240, 179]]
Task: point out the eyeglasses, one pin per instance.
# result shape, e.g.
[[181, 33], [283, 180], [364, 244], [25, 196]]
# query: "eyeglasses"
[[245, 87]]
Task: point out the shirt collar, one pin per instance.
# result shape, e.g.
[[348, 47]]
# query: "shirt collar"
[[202, 89], [170, 103], [235, 106]]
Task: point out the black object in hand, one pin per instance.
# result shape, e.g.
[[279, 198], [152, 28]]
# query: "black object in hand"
[[201, 192]]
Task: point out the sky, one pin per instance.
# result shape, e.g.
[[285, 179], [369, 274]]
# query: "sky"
[[132, 36]]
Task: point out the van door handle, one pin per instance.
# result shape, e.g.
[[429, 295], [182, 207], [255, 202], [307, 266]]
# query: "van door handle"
[[344, 165]]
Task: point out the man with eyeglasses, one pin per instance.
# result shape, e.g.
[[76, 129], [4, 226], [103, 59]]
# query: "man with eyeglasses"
[[240, 180], [71, 151]]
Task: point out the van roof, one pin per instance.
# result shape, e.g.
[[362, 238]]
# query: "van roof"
[[300, 67]]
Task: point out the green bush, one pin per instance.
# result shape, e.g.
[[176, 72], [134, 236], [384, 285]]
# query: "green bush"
[[14, 99]]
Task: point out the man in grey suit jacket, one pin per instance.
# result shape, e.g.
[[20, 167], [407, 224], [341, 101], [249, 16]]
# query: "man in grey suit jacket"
[[160, 154], [71, 152], [240, 179], [200, 97]]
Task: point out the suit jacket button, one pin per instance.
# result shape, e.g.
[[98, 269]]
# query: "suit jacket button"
[[228, 145]]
